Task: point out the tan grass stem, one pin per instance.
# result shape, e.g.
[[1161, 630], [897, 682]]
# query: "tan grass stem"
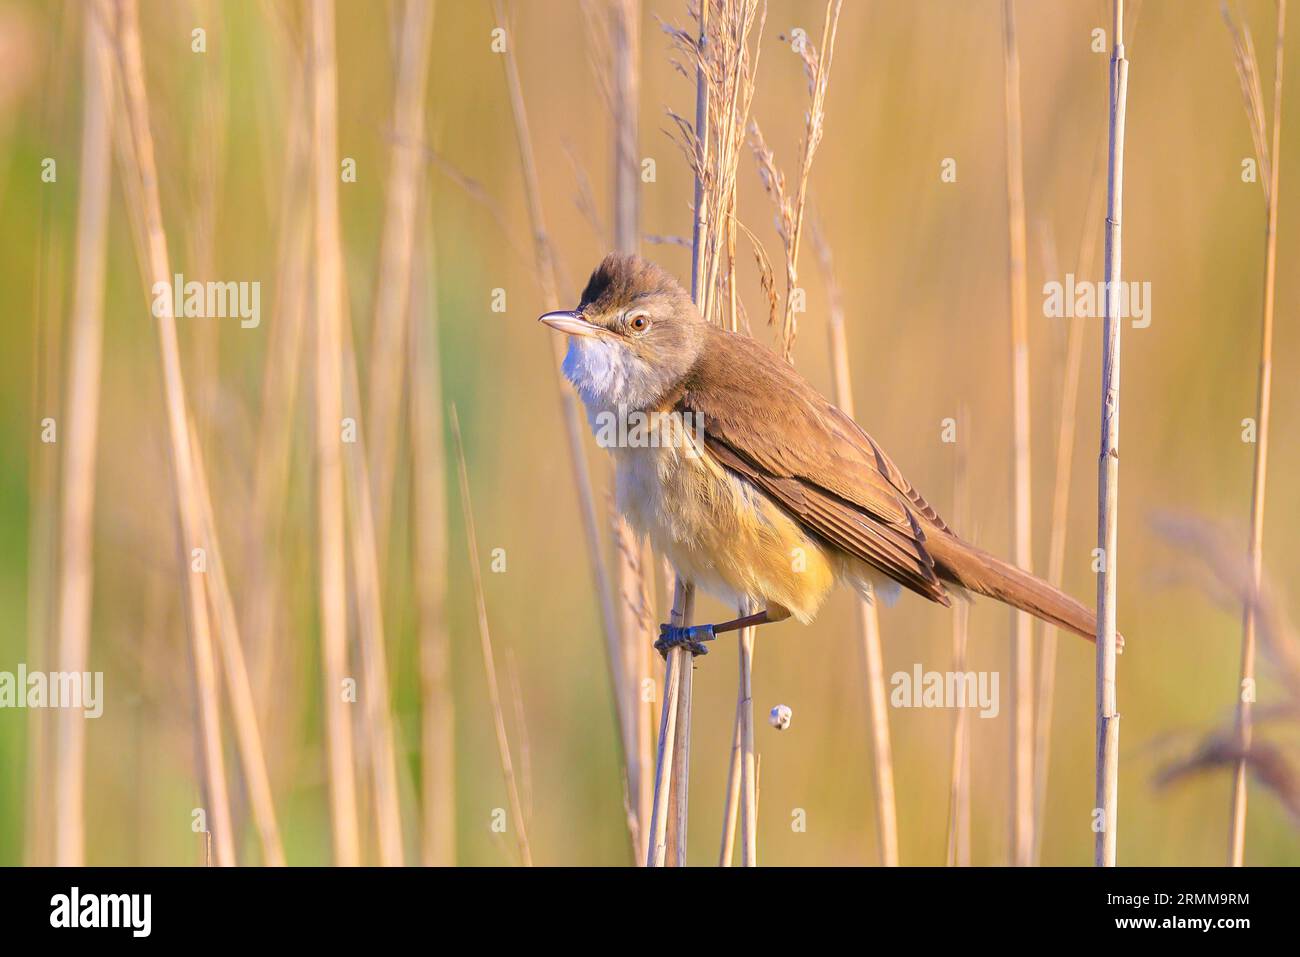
[[358, 496], [279, 391], [547, 276], [329, 414], [243, 707], [144, 190], [489, 662], [636, 632], [1061, 507], [393, 284], [80, 433], [429, 562], [1107, 790], [1022, 674], [1271, 163], [868, 621], [959, 778]]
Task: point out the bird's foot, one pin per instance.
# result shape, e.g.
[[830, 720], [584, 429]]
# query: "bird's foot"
[[691, 638]]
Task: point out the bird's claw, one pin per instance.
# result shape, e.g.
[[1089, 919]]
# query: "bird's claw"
[[689, 637]]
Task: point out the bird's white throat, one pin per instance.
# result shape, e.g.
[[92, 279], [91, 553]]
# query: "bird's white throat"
[[608, 376]]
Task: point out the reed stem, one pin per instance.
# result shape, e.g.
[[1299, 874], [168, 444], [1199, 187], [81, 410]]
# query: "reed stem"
[[1107, 790], [1255, 551], [80, 435]]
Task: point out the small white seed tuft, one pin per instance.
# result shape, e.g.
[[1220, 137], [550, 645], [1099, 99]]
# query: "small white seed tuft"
[[780, 717]]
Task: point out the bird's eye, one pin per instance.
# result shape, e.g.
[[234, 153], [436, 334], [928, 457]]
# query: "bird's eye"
[[638, 322]]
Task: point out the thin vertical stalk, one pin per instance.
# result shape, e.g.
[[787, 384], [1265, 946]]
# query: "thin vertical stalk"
[[489, 661], [732, 804], [672, 771], [144, 188], [573, 416], [793, 229], [1264, 403], [657, 853], [279, 391], [1022, 675], [748, 764], [644, 702], [667, 771], [1107, 791], [329, 413], [1255, 550], [959, 773], [868, 622], [81, 418], [1061, 509], [679, 795], [393, 287], [429, 571], [243, 709], [625, 63], [358, 496]]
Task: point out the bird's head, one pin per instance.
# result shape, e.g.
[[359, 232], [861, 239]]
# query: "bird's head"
[[634, 336]]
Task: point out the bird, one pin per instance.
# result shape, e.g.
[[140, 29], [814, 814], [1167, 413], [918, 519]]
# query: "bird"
[[755, 487]]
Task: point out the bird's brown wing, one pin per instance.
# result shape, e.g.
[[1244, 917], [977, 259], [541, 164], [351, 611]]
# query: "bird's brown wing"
[[764, 422]]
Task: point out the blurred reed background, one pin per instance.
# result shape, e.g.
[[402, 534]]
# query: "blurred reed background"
[[377, 303]]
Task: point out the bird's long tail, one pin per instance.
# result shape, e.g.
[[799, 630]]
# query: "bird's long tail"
[[973, 568]]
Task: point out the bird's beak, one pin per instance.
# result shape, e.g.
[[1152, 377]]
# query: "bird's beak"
[[570, 322]]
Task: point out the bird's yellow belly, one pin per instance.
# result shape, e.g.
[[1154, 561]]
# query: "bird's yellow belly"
[[720, 532]]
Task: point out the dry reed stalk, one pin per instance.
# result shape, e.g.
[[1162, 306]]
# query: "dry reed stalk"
[[790, 218], [205, 161], [644, 697], [868, 620], [789, 224], [43, 484], [725, 65], [668, 771], [679, 783], [393, 285], [1107, 791], [672, 769], [243, 708], [1271, 165], [737, 775], [227, 633], [636, 638], [958, 848], [521, 729], [378, 723], [81, 418], [618, 71], [143, 189], [657, 851], [42, 561], [1022, 662], [817, 66], [485, 642], [329, 414], [1061, 507], [727, 849], [429, 562], [547, 276], [280, 387], [748, 760], [725, 61]]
